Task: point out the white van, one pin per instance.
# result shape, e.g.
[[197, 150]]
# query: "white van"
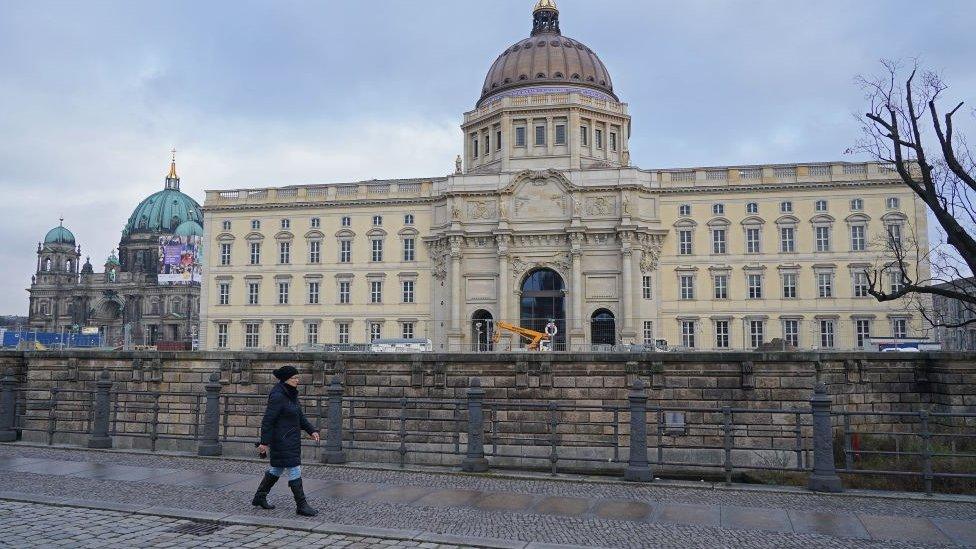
[[401, 346]]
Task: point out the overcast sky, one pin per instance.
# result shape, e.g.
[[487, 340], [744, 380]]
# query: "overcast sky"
[[94, 94]]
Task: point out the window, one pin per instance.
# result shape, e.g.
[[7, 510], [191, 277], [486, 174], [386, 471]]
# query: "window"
[[820, 205], [346, 221], [786, 207], [487, 145], [225, 253], [498, 140], [223, 293], [377, 220], [684, 210], [857, 204], [861, 285], [312, 334], [255, 225], [584, 136], [721, 334], [222, 335], [316, 223], [406, 330], [375, 331], [255, 253], [520, 136], [282, 331], [899, 328], [893, 203], [408, 291], [540, 135], [646, 287], [283, 288], [823, 239], [252, 335], [648, 332], [787, 239], [827, 334], [474, 146], [721, 286], [858, 241], [688, 334], [285, 223], [408, 219], [315, 251], [613, 141], [895, 283], [791, 332], [754, 282], [862, 332], [718, 241], [376, 291], [560, 134], [718, 209], [342, 330], [757, 333], [894, 235], [687, 285], [598, 138], [377, 250], [825, 285], [313, 293], [752, 208], [226, 226], [684, 242], [753, 242], [409, 249], [284, 253], [253, 289], [344, 291], [345, 251]]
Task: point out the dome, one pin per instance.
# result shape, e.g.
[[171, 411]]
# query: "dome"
[[59, 235], [189, 228], [164, 211], [547, 59]]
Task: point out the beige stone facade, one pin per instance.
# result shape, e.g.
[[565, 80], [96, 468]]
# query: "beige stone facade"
[[546, 218]]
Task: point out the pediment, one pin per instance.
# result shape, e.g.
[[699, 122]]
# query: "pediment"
[[540, 195]]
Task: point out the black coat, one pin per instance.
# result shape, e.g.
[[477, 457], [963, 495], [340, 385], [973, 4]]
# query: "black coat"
[[282, 426]]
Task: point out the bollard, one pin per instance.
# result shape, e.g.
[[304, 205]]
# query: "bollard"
[[210, 443], [8, 407], [474, 461], [824, 477], [99, 436], [333, 430], [638, 469]]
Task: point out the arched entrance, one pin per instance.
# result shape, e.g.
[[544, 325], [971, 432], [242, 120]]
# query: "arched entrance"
[[603, 328], [482, 328], [543, 298]]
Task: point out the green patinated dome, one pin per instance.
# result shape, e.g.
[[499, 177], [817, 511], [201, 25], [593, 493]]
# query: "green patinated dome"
[[59, 235], [189, 228], [164, 211]]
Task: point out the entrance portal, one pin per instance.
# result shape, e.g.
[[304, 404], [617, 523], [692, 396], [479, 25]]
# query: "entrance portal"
[[543, 297]]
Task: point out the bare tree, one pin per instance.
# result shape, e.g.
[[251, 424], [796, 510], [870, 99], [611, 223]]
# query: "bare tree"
[[905, 130]]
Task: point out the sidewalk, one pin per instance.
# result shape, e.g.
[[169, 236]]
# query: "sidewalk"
[[469, 510]]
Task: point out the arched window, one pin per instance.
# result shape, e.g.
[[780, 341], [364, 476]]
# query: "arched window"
[[67, 266], [482, 330], [47, 264], [176, 306], [543, 300], [603, 328]]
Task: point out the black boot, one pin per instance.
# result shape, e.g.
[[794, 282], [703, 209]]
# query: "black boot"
[[261, 496], [301, 504]]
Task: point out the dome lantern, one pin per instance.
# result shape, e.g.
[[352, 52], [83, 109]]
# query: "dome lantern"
[[173, 180], [545, 18]]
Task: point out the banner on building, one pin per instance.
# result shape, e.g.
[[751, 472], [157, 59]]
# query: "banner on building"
[[180, 259]]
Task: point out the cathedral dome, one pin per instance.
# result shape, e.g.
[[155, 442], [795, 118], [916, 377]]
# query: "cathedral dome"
[[59, 235], [164, 211], [547, 60]]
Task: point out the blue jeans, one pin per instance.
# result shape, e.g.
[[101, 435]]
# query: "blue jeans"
[[294, 473]]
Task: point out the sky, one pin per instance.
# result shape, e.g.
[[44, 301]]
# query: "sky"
[[93, 95]]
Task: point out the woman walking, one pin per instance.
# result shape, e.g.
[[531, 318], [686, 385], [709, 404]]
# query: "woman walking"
[[281, 430]]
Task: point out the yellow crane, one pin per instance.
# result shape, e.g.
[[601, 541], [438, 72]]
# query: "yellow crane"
[[540, 341]]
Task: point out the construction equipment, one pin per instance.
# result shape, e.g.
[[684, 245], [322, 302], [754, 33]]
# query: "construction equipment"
[[540, 341]]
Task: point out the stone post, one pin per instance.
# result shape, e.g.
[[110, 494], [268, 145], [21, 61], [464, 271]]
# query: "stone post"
[[210, 442], [99, 437], [333, 431], [8, 407], [475, 461], [824, 477], [638, 469]]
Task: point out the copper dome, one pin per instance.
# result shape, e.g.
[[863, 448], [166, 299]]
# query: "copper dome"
[[547, 58]]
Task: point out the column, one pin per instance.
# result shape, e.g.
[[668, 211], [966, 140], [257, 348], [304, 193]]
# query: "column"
[[627, 299], [454, 338], [503, 286], [578, 333], [573, 131]]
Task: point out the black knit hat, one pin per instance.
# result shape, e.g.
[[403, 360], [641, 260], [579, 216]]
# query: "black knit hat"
[[285, 372]]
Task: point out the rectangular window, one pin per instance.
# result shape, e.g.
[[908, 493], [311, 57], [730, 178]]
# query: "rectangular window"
[[757, 333], [827, 334], [315, 251], [312, 334], [222, 336], [316, 223], [313, 293], [487, 139], [894, 236], [282, 333], [253, 289], [285, 223], [825, 285], [787, 239], [498, 140], [857, 204], [342, 330], [406, 330], [646, 287], [409, 249], [791, 332], [718, 241], [823, 239], [755, 286], [684, 209], [223, 293], [345, 251], [821, 206], [899, 328], [540, 135], [718, 209], [684, 242], [584, 136], [858, 242], [226, 225], [283, 293], [895, 284], [753, 244], [789, 285], [408, 291], [346, 221], [255, 225], [375, 291], [862, 332], [786, 207], [474, 146], [225, 253], [721, 286], [375, 331], [721, 334], [861, 285], [520, 136], [613, 141], [687, 285], [598, 138], [252, 335], [284, 253], [255, 253], [560, 134], [688, 334], [344, 287], [893, 203], [377, 250], [377, 220], [648, 332]]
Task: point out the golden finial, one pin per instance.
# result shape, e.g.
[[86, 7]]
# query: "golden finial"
[[172, 166], [545, 5]]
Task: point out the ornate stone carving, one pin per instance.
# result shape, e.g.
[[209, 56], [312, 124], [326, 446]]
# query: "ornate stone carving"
[[560, 261], [481, 209], [650, 252], [601, 205]]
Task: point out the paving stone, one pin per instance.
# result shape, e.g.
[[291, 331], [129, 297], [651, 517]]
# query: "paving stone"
[[827, 524], [449, 498], [503, 502], [562, 506], [962, 532], [915, 529], [622, 510], [397, 494], [751, 518], [692, 515]]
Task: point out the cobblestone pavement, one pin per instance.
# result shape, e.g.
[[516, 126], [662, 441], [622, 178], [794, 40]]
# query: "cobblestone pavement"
[[519, 510]]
